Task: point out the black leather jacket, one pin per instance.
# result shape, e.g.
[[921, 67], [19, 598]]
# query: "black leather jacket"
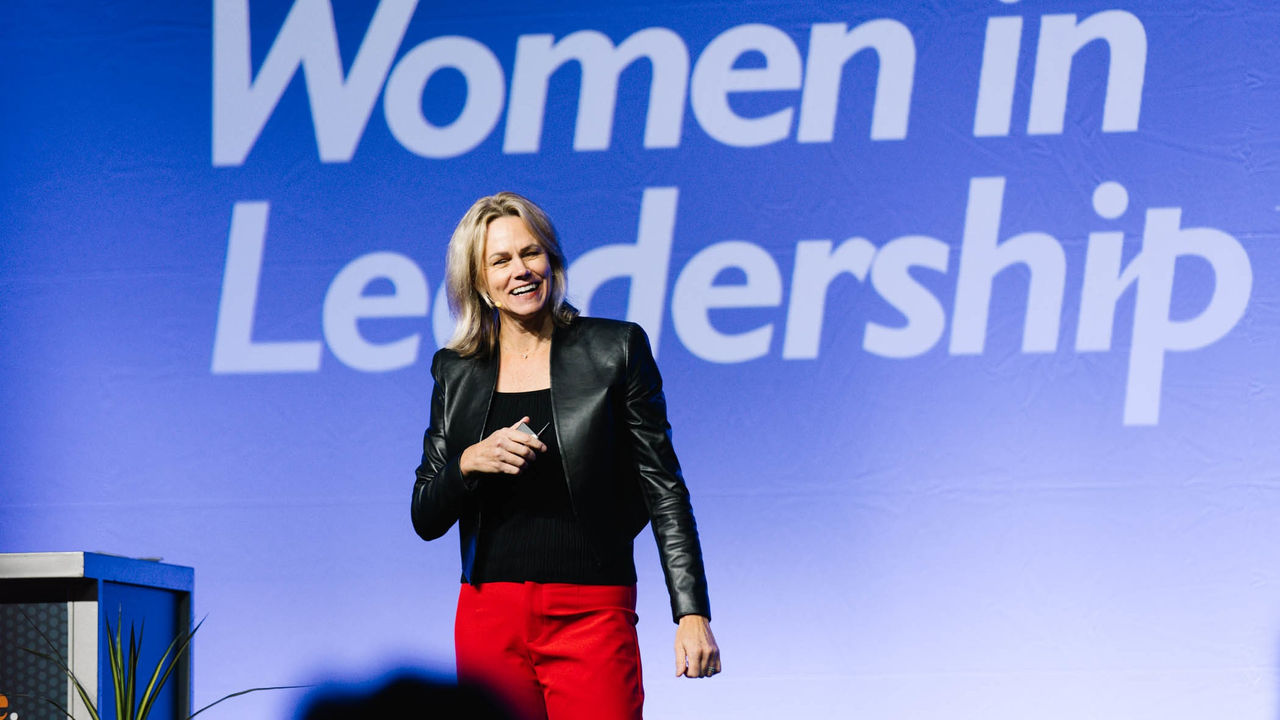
[[610, 418]]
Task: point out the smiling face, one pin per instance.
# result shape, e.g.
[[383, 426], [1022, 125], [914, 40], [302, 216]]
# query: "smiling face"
[[517, 273]]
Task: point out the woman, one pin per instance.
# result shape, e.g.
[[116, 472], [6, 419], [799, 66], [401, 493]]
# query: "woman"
[[549, 445]]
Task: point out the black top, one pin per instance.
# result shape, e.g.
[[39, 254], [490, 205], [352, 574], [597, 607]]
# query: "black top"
[[528, 530], [615, 447]]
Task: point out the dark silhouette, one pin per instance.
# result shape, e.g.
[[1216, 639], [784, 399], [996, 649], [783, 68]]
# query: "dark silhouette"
[[406, 697]]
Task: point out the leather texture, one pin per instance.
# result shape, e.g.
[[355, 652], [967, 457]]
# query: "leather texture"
[[610, 418]]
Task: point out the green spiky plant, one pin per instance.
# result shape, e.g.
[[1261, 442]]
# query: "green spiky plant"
[[124, 673]]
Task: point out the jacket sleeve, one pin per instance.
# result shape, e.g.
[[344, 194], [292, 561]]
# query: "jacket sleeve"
[[440, 492], [661, 481]]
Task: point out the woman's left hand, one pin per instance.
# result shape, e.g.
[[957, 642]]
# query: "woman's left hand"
[[697, 654]]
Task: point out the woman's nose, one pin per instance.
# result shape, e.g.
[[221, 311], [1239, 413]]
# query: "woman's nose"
[[519, 267]]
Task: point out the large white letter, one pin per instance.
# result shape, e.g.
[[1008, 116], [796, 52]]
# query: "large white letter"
[[234, 350], [816, 266], [983, 256], [999, 76], [442, 320], [830, 47], [696, 293], [645, 263], [345, 304], [1104, 283], [537, 59], [339, 107], [891, 277], [1154, 332], [402, 104], [714, 77], [1060, 39]]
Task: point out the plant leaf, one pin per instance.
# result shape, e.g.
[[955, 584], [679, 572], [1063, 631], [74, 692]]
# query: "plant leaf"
[[181, 642], [116, 655], [246, 692], [131, 680], [56, 705], [84, 695], [56, 658], [125, 683], [152, 690]]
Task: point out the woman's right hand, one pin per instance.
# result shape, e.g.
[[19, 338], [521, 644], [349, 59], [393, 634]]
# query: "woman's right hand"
[[507, 451]]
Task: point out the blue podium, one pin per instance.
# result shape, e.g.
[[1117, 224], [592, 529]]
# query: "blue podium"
[[67, 598]]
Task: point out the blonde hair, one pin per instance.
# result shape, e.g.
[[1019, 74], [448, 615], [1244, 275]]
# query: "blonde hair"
[[477, 329]]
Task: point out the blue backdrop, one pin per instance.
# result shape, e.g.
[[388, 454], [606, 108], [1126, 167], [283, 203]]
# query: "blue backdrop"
[[968, 315]]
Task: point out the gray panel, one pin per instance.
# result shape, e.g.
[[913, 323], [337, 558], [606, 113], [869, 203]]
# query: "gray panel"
[[27, 680]]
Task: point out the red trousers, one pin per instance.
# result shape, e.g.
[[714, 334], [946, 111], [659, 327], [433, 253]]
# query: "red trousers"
[[553, 651]]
